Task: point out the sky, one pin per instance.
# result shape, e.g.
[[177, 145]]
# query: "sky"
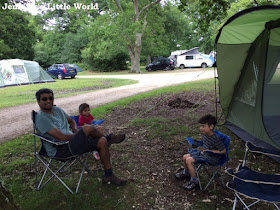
[[30, 7]]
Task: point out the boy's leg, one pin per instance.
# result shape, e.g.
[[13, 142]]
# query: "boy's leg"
[[183, 173], [189, 162], [193, 183]]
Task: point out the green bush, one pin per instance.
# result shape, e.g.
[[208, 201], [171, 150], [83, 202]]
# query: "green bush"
[[108, 64]]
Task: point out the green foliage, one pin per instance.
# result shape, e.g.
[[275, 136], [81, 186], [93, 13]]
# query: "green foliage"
[[168, 28], [16, 36], [106, 49], [70, 20], [244, 4]]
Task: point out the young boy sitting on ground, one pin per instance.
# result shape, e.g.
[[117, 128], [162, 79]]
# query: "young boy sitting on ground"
[[211, 142]]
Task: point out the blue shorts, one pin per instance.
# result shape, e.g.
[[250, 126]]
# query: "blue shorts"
[[197, 155]]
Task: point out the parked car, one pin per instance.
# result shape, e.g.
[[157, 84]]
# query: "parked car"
[[76, 67], [61, 71], [194, 60], [161, 64]]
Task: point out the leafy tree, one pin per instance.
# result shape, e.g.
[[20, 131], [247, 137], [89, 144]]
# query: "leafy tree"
[[244, 4], [168, 30], [206, 16], [16, 36], [106, 50], [131, 19], [69, 20]]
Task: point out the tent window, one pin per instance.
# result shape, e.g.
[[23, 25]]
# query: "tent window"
[[18, 69], [248, 87], [276, 77]]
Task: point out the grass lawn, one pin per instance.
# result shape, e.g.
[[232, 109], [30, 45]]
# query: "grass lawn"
[[148, 158], [17, 95]]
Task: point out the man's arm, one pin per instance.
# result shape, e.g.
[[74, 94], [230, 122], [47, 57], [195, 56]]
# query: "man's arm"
[[57, 134], [72, 124]]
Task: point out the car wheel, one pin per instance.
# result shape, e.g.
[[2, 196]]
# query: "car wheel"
[[59, 76], [72, 77], [182, 66], [204, 65], [149, 69], [167, 68]]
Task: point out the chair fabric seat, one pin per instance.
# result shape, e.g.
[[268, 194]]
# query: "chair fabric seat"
[[252, 184], [248, 175], [264, 192]]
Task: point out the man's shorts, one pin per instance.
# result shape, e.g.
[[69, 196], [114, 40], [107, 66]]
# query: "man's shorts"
[[197, 155], [78, 144]]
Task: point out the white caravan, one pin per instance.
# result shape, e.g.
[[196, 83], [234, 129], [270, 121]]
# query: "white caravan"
[[194, 60]]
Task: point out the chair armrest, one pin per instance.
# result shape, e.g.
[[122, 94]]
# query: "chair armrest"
[[246, 174], [194, 142], [52, 141], [98, 122], [214, 153], [265, 151]]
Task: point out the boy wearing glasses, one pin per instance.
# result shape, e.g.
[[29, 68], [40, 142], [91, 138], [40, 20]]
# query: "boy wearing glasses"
[[53, 123]]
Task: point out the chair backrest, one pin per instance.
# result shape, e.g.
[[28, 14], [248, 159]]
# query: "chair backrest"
[[76, 118], [33, 115], [224, 138]]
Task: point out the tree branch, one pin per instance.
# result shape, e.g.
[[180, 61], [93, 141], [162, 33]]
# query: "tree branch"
[[136, 8], [119, 5], [146, 8]]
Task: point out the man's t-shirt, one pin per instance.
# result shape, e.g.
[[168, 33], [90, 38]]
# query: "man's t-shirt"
[[46, 122], [85, 120]]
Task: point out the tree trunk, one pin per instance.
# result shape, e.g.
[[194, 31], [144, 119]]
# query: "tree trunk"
[[6, 199], [149, 60], [135, 54]]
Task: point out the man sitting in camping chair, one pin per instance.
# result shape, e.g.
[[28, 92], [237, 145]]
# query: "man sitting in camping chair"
[[212, 144], [52, 122]]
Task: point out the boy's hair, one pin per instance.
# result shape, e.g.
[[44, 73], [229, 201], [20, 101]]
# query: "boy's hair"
[[42, 91], [82, 107], [209, 119]]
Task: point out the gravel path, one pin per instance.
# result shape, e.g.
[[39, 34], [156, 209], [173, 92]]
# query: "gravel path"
[[17, 120]]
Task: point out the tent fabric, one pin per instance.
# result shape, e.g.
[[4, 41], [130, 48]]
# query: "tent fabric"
[[248, 64], [19, 72]]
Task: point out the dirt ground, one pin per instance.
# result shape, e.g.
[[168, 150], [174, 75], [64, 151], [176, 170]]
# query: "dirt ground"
[[149, 159], [153, 152]]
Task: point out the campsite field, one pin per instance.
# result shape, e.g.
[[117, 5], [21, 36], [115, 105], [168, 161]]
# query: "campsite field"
[[17, 95], [156, 124]]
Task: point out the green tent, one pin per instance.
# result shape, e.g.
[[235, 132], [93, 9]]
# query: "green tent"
[[248, 65], [20, 72]]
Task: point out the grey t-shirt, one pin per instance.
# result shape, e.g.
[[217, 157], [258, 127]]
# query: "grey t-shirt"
[[213, 143], [46, 122]]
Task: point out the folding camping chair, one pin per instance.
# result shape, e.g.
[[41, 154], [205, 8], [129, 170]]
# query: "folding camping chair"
[[49, 162], [95, 122], [212, 169], [252, 184]]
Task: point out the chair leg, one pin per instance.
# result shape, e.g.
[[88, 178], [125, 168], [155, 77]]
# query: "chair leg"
[[44, 174], [236, 195], [276, 206], [213, 174], [83, 170], [234, 203], [53, 175], [196, 172]]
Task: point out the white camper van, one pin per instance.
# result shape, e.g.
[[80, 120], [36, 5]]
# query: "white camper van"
[[194, 60]]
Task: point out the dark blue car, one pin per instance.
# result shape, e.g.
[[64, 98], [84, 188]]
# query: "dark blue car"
[[61, 71]]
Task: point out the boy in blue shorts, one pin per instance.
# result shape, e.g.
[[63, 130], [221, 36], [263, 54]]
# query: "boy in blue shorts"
[[211, 142]]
